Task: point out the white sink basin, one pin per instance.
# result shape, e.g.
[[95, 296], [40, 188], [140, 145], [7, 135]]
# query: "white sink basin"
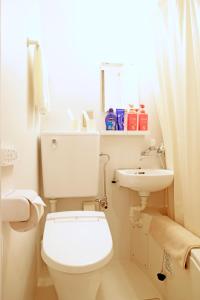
[[145, 180]]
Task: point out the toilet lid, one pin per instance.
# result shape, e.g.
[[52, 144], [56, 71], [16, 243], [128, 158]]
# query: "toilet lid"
[[76, 241]]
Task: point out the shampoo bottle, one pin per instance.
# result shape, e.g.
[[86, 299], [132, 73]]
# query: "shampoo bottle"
[[143, 118], [110, 120], [132, 119]]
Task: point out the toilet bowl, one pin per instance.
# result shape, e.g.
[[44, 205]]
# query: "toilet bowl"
[[77, 245]]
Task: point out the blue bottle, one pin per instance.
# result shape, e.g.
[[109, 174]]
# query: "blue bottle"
[[120, 118], [110, 120]]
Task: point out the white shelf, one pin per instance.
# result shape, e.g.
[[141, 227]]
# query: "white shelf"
[[101, 133], [123, 133]]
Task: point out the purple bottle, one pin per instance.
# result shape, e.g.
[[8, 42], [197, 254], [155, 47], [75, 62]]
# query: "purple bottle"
[[120, 118], [110, 120]]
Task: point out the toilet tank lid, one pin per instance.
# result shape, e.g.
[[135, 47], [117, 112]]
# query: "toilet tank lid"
[[77, 241]]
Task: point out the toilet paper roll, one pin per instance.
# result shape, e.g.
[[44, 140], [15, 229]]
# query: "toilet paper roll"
[[36, 211]]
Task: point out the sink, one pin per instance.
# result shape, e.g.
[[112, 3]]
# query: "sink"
[[145, 180]]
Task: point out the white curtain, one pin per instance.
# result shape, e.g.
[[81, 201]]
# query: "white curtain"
[[178, 102]]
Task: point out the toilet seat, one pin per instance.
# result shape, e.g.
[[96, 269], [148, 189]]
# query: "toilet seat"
[[76, 241]]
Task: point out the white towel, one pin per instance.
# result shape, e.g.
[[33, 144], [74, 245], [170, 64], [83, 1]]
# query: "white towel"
[[40, 82], [176, 240], [36, 211]]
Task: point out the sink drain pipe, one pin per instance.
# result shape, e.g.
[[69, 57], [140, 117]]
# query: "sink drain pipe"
[[135, 211]]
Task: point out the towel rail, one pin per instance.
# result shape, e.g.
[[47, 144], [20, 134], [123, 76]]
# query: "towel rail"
[[32, 43]]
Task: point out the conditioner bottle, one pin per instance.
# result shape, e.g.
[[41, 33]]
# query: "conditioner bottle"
[[143, 118]]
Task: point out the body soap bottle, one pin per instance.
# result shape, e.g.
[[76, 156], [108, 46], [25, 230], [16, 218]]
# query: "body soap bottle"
[[110, 120]]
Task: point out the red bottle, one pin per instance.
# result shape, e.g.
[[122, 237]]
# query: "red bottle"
[[143, 118], [132, 119]]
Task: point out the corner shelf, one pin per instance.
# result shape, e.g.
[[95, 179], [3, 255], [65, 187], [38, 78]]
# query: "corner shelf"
[[123, 133]]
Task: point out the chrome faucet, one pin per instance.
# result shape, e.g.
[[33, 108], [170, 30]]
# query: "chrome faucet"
[[153, 150], [148, 151]]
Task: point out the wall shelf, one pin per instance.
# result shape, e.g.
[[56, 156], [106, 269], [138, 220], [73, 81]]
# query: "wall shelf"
[[123, 133], [101, 133]]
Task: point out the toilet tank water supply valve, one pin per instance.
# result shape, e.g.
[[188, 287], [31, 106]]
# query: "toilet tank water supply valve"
[[102, 203]]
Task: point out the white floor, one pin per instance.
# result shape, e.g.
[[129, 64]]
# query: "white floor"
[[122, 281]]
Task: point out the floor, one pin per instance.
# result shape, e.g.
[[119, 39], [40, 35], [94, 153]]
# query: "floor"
[[122, 281]]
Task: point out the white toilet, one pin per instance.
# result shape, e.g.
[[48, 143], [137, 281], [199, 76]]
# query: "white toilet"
[[77, 245]]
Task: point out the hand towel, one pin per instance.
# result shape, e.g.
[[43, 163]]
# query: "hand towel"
[[40, 83], [176, 240], [36, 211]]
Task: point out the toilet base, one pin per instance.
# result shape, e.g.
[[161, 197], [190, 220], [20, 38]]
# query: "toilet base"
[[76, 286]]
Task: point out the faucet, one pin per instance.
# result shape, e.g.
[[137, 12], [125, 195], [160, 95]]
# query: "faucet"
[[148, 151], [154, 151]]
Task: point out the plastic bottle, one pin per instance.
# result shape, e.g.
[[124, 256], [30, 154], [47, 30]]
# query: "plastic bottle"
[[143, 118], [132, 118], [120, 113], [110, 120]]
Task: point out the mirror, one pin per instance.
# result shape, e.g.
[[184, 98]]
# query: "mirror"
[[119, 86]]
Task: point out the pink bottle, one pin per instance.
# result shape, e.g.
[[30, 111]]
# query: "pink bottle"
[[143, 118]]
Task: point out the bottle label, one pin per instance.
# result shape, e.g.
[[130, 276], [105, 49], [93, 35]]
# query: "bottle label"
[[120, 119], [110, 125], [132, 122], [143, 122]]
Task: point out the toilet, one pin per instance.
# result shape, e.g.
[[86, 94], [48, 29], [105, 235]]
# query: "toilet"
[[77, 245]]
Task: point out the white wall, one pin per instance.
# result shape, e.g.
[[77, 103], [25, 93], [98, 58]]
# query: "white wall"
[[79, 35], [19, 20], [17, 115]]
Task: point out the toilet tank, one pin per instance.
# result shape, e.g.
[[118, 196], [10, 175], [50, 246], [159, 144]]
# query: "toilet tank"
[[70, 164]]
